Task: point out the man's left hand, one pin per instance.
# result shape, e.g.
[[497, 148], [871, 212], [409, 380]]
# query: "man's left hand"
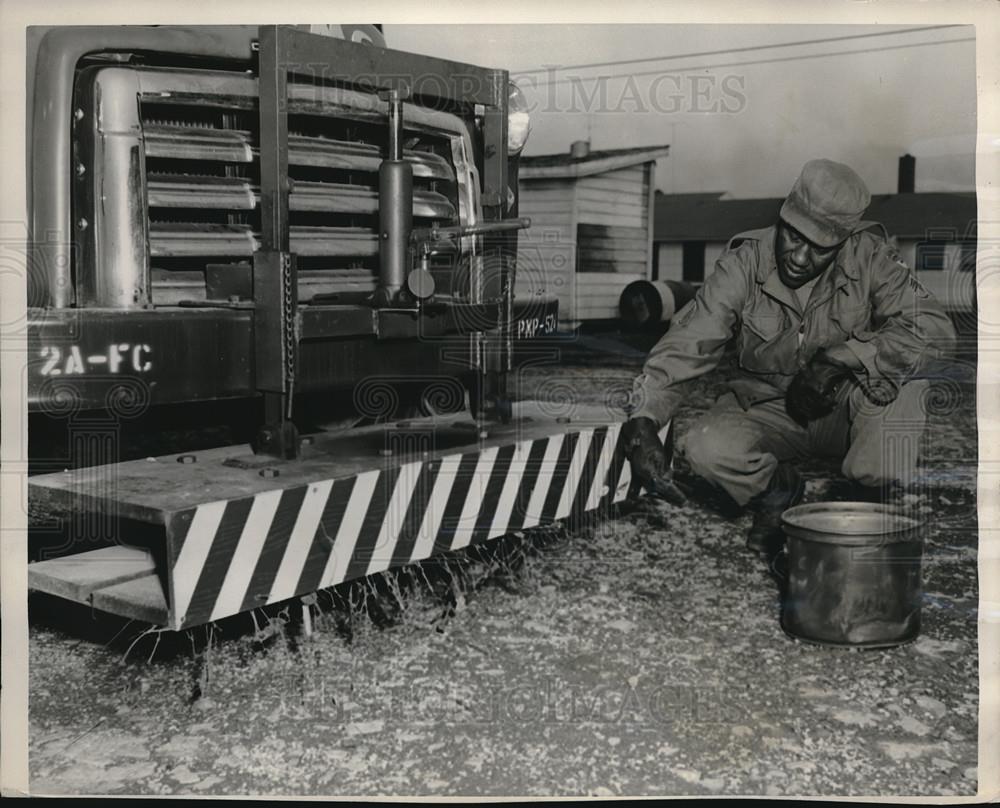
[[812, 393]]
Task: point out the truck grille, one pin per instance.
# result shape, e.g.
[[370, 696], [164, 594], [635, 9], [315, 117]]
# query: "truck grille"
[[199, 200]]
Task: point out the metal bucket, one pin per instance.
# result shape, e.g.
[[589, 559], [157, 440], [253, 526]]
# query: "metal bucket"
[[853, 575]]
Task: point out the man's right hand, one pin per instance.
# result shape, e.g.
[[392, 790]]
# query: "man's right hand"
[[650, 459], [812, 393]]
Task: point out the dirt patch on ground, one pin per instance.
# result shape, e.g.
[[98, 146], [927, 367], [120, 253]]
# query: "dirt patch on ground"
[[639, 654]]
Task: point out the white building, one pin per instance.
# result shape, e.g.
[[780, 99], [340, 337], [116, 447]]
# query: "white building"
[[591, 227]]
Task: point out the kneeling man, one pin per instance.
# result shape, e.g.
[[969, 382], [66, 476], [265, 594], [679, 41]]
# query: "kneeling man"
[[832, 333]]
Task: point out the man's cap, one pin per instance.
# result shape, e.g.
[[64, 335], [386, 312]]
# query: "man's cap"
[[826, 203]]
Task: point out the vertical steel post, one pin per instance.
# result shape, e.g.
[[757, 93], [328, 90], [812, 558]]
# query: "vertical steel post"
[[495, 149], [273, 95], [275, 280], [493, 350]]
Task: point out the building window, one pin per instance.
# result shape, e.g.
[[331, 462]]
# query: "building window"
[[930, 256], [693, 261]]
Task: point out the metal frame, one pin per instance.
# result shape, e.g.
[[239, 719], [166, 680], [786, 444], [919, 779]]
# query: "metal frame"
[[284, 52], [275, 275]]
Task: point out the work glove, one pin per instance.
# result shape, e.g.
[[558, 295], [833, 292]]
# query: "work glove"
[[650, 459], [813, 392]]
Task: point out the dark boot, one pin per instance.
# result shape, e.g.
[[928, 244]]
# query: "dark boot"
[[783, 491]]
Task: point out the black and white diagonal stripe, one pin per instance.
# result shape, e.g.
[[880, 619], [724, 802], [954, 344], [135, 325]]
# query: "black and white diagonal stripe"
[[231, 556]]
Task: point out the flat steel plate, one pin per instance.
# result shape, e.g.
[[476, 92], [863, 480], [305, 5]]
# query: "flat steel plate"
[[152, 489]]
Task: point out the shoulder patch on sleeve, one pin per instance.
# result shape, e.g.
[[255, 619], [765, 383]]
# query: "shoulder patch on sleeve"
[[893, 255], [887, 253], [917, 287]]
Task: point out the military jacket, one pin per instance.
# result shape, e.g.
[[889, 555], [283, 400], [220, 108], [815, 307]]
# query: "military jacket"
[[868, 299]]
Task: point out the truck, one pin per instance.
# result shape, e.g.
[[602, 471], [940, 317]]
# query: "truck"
[[285, 219]]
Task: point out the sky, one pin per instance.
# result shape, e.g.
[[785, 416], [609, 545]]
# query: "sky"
[[742, 118]]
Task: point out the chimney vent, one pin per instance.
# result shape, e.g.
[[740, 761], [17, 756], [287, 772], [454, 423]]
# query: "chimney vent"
[[579, 149], [907, 174]]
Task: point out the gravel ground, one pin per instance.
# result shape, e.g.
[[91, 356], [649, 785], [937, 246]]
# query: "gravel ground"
[[639, 654]]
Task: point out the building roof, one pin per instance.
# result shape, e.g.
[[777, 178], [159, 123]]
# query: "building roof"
[[707, 217], [698, 217], [925, 215], [565, 164]]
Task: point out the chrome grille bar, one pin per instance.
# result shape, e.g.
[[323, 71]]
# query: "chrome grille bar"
[[235, 146], [177, 240], [233, 193]]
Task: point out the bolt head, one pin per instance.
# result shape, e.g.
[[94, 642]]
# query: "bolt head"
[[269, 473], [187, 459]]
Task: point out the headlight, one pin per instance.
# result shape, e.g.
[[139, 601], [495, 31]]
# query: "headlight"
[[518, 120]]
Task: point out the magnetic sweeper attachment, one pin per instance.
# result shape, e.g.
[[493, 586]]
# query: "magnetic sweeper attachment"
[[238, 535]]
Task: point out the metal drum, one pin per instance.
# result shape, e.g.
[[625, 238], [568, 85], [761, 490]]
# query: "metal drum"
[[853, 574], [645, 304]]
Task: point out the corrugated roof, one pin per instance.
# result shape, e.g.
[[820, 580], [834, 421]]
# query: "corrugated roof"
[[705, 217], [565, 164]]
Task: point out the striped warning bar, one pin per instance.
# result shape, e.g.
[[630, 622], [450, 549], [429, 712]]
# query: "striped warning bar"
[[231, 556]]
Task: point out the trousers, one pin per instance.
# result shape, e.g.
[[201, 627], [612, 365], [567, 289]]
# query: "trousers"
[[739, 450]]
